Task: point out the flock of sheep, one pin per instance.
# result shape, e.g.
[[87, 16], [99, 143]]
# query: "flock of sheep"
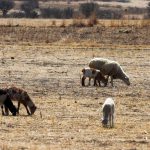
[[98, 69]]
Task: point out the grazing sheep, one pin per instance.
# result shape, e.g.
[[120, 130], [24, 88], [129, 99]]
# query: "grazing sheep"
[[22, 96], [93, 74], [6, 101], [110, 68], [108, 112]]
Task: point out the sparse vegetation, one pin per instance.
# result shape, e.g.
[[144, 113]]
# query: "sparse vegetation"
[[87, 9], [47, 63], [58, 13], [5, 6], [148, 10], [29, 7], [45, 57]]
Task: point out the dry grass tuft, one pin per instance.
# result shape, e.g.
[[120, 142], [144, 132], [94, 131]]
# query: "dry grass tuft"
[[73, 22], [92, 21]]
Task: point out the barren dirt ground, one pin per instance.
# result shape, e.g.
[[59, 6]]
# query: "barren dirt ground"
[[69, 115]]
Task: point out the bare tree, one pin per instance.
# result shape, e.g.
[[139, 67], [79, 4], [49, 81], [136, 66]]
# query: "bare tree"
[[29, 7]]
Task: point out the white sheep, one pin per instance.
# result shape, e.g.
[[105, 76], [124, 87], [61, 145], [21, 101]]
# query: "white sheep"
[[93, 74], [110, 68], [108, 109]]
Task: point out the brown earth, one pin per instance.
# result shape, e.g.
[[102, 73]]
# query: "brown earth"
[[47, 64]]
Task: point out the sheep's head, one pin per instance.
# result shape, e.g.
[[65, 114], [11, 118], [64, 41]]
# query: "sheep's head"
[[126, 80], [104, 122], [33, 109], [83, 70]]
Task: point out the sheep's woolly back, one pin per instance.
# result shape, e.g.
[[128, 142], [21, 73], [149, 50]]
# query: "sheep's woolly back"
[[109, 101], [97, 63], [107, 67]]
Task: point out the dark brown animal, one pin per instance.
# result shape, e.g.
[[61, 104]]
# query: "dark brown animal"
[[22, 97], [7, 103], [99, 77]]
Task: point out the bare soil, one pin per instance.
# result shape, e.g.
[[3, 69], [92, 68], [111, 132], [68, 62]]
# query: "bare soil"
[[69, 115]]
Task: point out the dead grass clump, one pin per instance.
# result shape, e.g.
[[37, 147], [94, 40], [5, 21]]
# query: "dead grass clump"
[[53, 23], [92, 21], [78, 23], [63, 24]]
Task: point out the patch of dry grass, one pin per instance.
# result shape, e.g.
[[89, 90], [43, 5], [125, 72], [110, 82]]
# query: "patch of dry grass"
[[68, 22], [68, 115]]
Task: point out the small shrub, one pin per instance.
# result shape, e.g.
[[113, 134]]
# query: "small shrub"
[[92, 20], [67, 13], [51, 13], [6, 5], [18, 14], [29, 7], [53, 23], [148, 10], [109, 14], [78, 23], [63, 24], [87, 9]]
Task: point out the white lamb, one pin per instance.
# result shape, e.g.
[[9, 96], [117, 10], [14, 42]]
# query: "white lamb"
[[93, 74], [108, 109]]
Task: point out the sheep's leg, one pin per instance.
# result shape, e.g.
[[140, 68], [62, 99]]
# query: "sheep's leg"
[[99, 83], [107, 78], [2, 110], [89, 81], [112, 120], [18, 107], [6, 111], [111, 81], [83, 81], [95, 84], [112, 116]]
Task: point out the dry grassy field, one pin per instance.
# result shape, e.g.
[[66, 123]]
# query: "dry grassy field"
[[47, 61]]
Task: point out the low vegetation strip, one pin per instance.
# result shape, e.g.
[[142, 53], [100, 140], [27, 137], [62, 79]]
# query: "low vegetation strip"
[[39, 32], [69, 22]]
